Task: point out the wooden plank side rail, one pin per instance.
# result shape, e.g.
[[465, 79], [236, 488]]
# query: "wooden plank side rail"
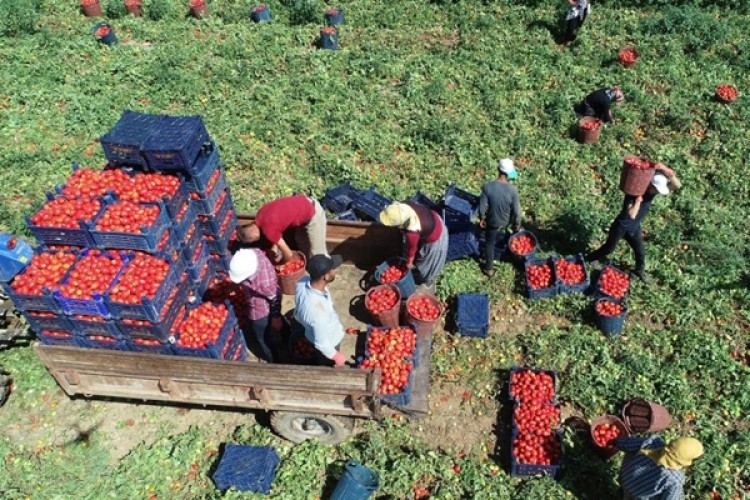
[[191, 380], [364, 244]]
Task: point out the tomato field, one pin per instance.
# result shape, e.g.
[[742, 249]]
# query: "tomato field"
[[422, 93]]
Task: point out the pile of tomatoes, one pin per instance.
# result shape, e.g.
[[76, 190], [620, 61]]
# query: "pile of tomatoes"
[[392, 351], [93, 273], [142, 277], [393, 274], [293, 266], [614, 282], [221, 289], [535, 417], [605, 434], [66, 213], [539, 276], [202, 325], [381, 299], [423, 308], [537, 450], [540, 419], [570, 272], [609, 308], [45, 271], [127, 217], [522, 244], [726, 92], [628, 56], [528, 386], [637, 163], [591, 124]]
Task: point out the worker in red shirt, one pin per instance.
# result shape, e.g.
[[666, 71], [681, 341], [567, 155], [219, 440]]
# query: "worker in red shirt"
[[301, 212], [426, 238]]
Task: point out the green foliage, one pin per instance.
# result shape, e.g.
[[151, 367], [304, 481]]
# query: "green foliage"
[[19, 17], [700, 29], [303, 12]]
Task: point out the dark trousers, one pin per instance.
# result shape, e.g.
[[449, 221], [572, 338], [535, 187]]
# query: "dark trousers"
[[490, 240], [260, 330], [571, 28], [616, 233]]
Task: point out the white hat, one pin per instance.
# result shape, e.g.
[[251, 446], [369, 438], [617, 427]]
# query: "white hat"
[[661, 183], [506, 166], [243, 265]]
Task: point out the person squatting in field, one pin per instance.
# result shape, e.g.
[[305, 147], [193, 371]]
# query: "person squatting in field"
[[598, 103]]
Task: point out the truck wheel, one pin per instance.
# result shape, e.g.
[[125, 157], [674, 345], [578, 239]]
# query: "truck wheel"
[[297, 427]]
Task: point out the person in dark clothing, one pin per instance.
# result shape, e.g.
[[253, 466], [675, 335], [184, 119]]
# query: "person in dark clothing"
[[574, 19], [426, 238], [498, 206], [598, 103], [627, 225]]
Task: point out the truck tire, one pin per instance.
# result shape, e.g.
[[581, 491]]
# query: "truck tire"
[[297, 427]]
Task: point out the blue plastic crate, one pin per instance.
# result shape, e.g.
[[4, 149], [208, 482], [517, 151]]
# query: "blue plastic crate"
[[147, 241], [423, 199], [107, 327], [196, 264], [182, 226], [456, 221], [368, 204], [205, 203], [515, 369], [160, 330], [176, 144], [211, 224], [161, 348], [462, 245], [45, 302], [347, 215], [70, 340], [598, 292], [212, 350], [40, 323], [201, 284], [401, 399], [220, 244], [191, 241], [406, 285], [522, 470], [91, 343], [246, 468], [501, 245], [221, 261], [517, 404], [123, 143], [340, 198], [544, 292], [461, 201], [473, 314], [95, 306], [237, 350], [196, 177], [174, 203], [149, 309], [80, 237], [580, 287]]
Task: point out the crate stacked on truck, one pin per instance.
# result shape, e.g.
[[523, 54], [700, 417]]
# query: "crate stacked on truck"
[[126, 251]]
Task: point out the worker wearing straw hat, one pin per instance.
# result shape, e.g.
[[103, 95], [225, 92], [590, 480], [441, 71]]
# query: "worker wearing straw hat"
[[652, 469], [627, 225], [599, 103], [426, 238]]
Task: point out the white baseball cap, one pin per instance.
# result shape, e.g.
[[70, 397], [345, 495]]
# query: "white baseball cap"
[[243, 265], [507, 167], [661, 183]]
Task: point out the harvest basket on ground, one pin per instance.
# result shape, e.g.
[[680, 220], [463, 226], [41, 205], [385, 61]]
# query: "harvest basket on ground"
[[612, 424], [589, 128], [522, 246], [572, 274], [610, 315], [645, 417], [422, 311]]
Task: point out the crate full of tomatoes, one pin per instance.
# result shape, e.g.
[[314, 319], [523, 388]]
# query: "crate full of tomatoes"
[[541, 278], [392, 350], [208, 330], [535, 443], [572, 274], [612, 282]]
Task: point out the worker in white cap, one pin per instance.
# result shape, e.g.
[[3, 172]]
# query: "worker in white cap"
[[627, 225], [251, 269], [499, 207], [652, 469]]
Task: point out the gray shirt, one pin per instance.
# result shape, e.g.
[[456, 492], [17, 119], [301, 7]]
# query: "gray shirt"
[[499, 205], [314, 310]]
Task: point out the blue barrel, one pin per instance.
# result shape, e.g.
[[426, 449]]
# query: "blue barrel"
[[357, 483], [406, 285], [611, 325]]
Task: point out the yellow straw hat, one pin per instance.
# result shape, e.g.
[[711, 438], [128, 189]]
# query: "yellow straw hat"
[[678, 454]]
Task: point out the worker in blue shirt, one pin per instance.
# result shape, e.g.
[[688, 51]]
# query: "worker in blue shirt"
[[652, 469]]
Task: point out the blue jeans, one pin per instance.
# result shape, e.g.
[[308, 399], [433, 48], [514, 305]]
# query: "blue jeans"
[[260, 329]]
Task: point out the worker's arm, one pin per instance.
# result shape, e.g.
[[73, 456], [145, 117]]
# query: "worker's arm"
[[634, 443], [635, 207], [483, 205], [412, 242], [674, 183], [516, 212], [286, 252]]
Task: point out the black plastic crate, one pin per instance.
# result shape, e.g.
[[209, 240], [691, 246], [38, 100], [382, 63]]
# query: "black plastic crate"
[[460, 245], [161, 329], [176, 144], [461, 201], [212, 350], [518, 469], [347, 215], [147, 241], [473, 314], [368, 204], [122, 144], [196, 177], [455, 221], [542, 293], [340, 198], [423, 199], [598, 292], [148, 309], [246, 468]]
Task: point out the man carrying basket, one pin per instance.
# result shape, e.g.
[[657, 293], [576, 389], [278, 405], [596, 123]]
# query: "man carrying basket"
[[627, 225]]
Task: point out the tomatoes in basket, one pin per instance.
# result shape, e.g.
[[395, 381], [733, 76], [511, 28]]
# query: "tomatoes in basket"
[[202, 325], [393, 274], [539, 276], [614, 282], [293, 266], [609, 308], [423, 308], [522, 244], [538, 450], [45, 271], [570, 272], [381, 300], [528, 386], [605, 434]]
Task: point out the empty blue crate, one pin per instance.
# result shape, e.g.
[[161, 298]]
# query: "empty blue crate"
[[146, 241], [368, 204], [541, 293], [422, 199], [340, 198], [348, 215], [197, 177], [473, 314], [122, 144], [176, 144], [456, 221], [462, 245], [246, 468], [461, 201]]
